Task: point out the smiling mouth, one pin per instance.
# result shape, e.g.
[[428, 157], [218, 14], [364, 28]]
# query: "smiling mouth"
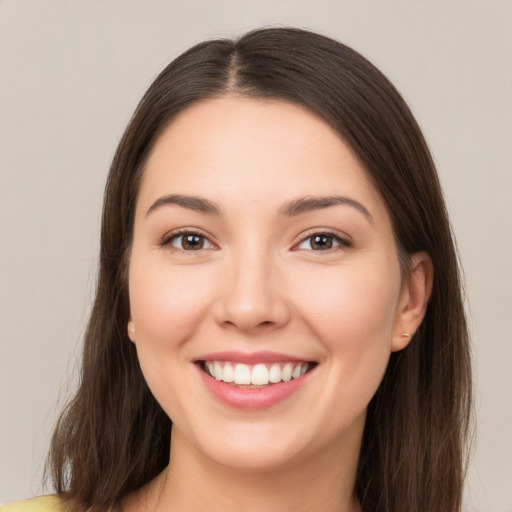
[[257, 375]]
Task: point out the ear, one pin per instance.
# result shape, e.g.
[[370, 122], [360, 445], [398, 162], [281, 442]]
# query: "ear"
[[414, 297], [131, 330]]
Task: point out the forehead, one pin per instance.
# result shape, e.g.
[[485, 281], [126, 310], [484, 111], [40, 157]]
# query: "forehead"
[[233, 148]]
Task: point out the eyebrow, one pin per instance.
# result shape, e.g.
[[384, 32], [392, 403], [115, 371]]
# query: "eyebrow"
[[289, 209], [195, 203], [310, 203]]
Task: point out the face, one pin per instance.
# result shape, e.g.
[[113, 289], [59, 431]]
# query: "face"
[[265, 287]]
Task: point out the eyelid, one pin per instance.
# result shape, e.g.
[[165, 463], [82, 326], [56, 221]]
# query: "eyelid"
[[342, 239], [172, 235]]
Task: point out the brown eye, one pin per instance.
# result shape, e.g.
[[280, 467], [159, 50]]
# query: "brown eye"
[[190, 242], [322, 242]]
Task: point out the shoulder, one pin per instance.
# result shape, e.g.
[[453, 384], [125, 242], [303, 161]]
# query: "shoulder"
[[49, 503]]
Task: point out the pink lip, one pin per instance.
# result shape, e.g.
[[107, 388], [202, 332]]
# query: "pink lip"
[[253, 358], [251, 399]]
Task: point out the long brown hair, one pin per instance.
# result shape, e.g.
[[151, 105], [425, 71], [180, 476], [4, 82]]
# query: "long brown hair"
[[113, 438]]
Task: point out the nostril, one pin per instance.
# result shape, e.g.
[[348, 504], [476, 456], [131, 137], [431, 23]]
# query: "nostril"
[[253, 311]]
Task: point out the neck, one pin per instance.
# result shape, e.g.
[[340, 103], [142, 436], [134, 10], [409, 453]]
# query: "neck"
[[192, 482]]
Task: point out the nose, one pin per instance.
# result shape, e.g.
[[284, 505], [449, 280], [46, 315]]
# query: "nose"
[[251, 297]]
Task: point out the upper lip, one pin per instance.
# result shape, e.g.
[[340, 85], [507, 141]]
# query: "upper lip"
[[250, 358]]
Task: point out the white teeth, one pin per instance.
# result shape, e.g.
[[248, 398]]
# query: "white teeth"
[[217, 370], [258, 375], [274, 375], [242, 374], [287, 372], [228, 374]]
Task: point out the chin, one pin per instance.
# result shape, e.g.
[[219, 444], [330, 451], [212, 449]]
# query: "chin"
[[262, 458], [255, 447]]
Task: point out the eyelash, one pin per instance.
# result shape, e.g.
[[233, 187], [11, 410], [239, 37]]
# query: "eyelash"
[[169, 239], [340, 241]]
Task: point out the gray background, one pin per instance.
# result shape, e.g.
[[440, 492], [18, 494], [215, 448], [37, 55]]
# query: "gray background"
[[71, 74]]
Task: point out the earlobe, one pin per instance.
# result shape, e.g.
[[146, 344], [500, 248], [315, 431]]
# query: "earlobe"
[[131, 330], [415, 295]]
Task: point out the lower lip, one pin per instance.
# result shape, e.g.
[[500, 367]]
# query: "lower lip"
[[252, 399]]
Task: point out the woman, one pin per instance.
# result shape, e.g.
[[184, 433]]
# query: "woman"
[[278, 298]]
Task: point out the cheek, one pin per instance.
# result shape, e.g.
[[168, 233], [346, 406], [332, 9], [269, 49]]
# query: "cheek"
[[167, 306], [352, 311], [166, 303], [352, 300]]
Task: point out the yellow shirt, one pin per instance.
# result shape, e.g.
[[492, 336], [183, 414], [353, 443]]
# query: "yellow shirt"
[[49, 503]]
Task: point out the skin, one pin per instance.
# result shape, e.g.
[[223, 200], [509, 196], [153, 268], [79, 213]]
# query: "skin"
[[258, 284]]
